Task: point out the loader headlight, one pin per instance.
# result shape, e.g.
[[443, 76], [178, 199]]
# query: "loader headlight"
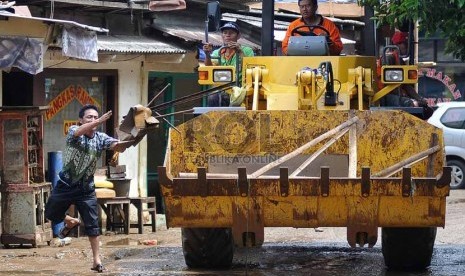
[[393, 75], [222, 75]]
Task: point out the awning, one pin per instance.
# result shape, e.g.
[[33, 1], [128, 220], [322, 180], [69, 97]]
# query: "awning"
[[56, 21], [24, 40]]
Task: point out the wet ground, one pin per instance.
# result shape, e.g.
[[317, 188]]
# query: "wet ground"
[[286, 251], [293, 259]]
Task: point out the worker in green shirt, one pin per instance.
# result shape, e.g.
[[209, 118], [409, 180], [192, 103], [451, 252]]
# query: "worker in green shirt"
[[226, 55]]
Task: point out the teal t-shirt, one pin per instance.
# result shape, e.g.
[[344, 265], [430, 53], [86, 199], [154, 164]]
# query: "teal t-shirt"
[[231, 61], [215, 56]]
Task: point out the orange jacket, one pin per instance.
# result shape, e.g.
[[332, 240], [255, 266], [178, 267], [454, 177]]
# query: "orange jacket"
[[334, 49]]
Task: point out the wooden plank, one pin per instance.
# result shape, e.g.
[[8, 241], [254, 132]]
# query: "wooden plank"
[[330, 9], [22, 27], [96, 3], [407, 162], [225, 4]]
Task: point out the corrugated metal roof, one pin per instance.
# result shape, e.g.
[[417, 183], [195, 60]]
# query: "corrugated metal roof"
[[198, 35], [253, 20], [135, 44]]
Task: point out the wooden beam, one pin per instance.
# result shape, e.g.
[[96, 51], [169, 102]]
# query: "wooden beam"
[[343, 10], [406, 162], [96, 3], [23, 27], [226, 4]]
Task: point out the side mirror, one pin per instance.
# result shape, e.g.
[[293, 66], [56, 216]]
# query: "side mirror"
[[213, 16]]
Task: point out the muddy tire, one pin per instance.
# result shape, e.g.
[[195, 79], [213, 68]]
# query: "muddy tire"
[[207, 247], [408, 248]]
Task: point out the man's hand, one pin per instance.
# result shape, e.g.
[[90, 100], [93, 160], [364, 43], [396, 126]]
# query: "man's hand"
[[105, 117], [328, 38], [423, 102], [208, 48], [90, 126], [234, 45], [121, 146]]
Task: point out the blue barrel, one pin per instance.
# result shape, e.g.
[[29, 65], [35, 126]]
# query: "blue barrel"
[[55, 163]]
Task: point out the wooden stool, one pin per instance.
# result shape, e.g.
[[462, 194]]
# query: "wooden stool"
[[151, 208], [110, 206]]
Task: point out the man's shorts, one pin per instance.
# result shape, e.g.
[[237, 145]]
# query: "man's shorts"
[[85, 201]]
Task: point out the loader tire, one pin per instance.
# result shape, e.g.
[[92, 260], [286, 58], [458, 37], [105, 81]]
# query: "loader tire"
[[408, 248], [207, 247]]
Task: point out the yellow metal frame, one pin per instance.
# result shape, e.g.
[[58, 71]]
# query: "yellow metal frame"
[[295, 79], [405, 69], [210, 70], [384, 91]]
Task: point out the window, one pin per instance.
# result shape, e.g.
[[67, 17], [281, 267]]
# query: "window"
[[454, 118]]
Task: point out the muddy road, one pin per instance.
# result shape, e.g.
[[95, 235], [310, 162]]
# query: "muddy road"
[[286, 251]]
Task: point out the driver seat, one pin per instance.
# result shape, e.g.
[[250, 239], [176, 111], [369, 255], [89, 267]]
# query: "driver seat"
[[308, 46]]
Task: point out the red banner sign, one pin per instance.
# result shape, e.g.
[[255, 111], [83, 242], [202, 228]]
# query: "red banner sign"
[[66, 96]]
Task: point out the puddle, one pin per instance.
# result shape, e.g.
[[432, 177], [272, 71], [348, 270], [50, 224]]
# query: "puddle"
[[125, 241]]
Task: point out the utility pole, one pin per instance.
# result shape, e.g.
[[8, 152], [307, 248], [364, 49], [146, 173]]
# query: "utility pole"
[[267, 27], [370, 37]]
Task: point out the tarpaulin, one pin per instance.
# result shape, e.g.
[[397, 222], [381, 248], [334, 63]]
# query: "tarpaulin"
[[22, 52], [79, 43]]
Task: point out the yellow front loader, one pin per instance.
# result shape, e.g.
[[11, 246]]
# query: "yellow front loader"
[[312, 148]]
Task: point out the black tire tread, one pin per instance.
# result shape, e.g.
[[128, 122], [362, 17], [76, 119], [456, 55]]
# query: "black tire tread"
[[207, 247], [408, 248]]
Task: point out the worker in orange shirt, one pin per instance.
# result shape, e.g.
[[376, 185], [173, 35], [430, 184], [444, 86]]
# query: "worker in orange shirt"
[[308, 10]]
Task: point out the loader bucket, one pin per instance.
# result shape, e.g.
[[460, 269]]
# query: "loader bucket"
[[356, 169]]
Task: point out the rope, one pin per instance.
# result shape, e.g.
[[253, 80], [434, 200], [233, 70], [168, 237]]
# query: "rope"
[[52, 8]]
